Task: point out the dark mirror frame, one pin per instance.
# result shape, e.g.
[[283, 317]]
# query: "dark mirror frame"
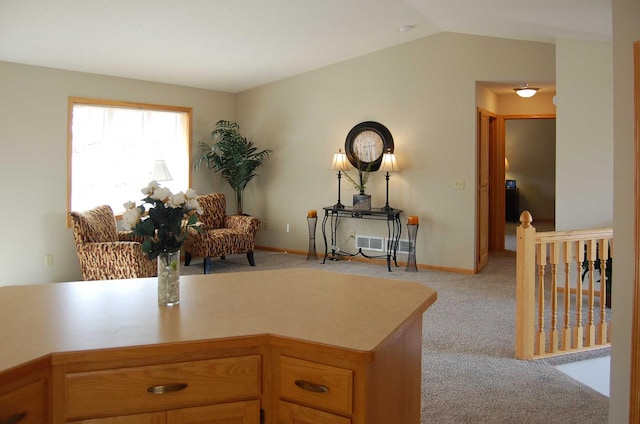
[[387, 140]]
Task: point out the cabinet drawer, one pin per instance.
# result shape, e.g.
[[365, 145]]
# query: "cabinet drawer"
[[315, 384], [25, 405], [296, 414], [161, 387]]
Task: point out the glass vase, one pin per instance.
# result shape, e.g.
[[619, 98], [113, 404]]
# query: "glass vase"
[[169, 278]]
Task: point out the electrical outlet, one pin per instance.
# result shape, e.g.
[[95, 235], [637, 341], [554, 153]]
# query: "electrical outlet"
[[265, 226], [458, 184], [48, 260], [352, 234]]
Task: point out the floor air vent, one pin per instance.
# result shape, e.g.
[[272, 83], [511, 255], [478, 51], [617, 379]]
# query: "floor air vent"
[[403, 246], [370, 243]]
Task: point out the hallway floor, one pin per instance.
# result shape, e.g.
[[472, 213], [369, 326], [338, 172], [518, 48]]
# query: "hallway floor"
[[591, 372]]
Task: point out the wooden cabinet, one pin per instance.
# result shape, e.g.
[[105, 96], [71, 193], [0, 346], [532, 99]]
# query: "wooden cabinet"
[[247, 412], [312, 384], [152, 418], [290, 413], [273, 347], [318, 385], [24, 405], [227, 413], [166, 387]]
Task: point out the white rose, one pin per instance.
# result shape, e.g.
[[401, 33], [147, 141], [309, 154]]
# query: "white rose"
[[129, 205], [161, 193], [190, 194], [130, 218], [148, 190], [177, 200], [192, 204]]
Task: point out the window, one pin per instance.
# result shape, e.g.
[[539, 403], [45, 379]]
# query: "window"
[[113, 147]]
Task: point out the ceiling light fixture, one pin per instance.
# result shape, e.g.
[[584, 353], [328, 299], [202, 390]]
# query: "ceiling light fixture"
[[526, 91], [407, 28]]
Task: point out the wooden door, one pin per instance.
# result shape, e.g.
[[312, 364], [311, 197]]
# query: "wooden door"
[[226, 413], [150, 418], [290, 413], [483, 178]]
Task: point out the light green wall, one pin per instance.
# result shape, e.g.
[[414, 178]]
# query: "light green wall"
[[425, 93], [33, 159], [584, 153], [626, 30]]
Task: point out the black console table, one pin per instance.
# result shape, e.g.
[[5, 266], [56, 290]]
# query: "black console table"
[[394, 228]]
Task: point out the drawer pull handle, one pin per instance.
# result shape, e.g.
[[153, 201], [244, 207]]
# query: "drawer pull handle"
[[166, 388], [312, 387], [16, 418]]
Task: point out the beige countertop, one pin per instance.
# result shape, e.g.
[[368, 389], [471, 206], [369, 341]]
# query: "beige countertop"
[[350, 312]]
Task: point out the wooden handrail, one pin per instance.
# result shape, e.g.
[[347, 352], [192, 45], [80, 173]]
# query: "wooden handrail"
[[545, 323]]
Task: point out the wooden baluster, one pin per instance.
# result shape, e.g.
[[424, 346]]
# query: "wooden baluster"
[[554, 258], [566, 331], [525, 287], [602, 325], [592, 254], [578, 331], [541, 258]]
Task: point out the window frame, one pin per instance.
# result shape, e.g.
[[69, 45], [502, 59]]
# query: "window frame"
[[73, 100]]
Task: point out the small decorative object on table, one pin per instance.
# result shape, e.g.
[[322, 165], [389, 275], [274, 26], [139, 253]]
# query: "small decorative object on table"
[[164, 229], [362, 202], [312, 219], [412, 229]]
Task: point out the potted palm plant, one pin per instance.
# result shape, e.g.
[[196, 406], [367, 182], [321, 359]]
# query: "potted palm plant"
[[233, 156]]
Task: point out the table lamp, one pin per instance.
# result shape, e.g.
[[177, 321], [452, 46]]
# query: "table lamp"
[[340, 164], [388, 164]]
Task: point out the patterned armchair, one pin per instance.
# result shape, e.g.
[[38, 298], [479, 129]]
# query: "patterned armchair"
[[222, 234], [106, 253]]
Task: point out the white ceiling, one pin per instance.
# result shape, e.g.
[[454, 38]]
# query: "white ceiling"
[[234, 45]]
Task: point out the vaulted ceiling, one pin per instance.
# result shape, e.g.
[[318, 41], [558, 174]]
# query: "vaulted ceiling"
[[234, 45]]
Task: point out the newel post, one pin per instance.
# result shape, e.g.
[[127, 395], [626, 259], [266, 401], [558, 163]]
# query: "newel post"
[[525, 286]]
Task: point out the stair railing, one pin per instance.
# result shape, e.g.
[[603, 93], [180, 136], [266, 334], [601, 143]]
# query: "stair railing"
[[558, 314]]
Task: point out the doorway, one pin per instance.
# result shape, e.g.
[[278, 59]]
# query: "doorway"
[[491, 202], [530, 148]]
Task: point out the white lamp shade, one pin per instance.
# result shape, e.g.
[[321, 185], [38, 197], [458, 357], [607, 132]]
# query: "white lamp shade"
[[160, 171], [526, 91], [389, 163], [340, 162]]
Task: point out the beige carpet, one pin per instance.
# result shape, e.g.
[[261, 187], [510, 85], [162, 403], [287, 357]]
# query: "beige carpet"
[[469, 371]]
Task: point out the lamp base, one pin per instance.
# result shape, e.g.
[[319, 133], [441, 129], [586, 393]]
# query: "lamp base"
[[386, 208], [338, 205]]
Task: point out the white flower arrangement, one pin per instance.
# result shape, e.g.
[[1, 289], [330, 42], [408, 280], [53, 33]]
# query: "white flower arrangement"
[[165, 221]]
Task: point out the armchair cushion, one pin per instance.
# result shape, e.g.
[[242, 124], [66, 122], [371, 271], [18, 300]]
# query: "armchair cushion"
[[95, 225], [105, 253], [214, 207]]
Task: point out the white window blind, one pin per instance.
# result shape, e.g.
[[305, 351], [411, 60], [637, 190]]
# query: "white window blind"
[[113, 149]]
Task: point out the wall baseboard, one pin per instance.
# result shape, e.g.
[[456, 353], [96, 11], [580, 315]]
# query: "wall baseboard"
[[374, 261]]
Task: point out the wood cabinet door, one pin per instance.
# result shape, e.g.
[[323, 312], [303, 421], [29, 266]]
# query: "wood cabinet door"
[[247, 412], [290, 413], [25, 405], [152, 418]]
